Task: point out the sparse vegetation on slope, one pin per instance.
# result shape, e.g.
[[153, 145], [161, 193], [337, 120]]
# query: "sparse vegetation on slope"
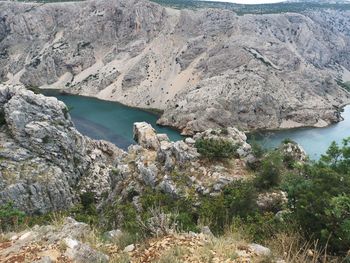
[[254, 9]]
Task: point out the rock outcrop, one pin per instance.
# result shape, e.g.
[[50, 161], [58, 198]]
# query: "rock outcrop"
[[51, 243], [45, 162], [175, 168], [206, 68], [72, 241]]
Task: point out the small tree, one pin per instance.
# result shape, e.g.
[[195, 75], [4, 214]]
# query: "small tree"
[[270, 171], [10, 217]]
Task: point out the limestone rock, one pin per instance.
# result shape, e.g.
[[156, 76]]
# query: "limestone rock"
[[229, 134], [80, 253], [272, 201], [281, 73], [206, 231], [146, 136], [293, 152], [260, 250], [46, 163], [129, 248]]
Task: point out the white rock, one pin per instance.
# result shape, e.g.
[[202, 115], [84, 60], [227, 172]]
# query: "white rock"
[[129, 248], [26, 235], [71, 243], [259, 250], [189, 140]]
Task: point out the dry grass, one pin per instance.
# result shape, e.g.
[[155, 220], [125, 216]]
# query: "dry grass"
[[3, 238], [292, 248], [159, 223], [223, 248], [173, 255], [120, 258], [57, 219]]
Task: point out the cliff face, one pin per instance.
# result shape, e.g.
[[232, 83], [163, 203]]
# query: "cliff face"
[[45, 162], [205, 68]]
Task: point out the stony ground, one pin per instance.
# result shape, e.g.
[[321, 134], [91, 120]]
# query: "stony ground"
[[72, 242]]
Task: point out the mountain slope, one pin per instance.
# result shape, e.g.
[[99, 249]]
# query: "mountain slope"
[[205, 67]]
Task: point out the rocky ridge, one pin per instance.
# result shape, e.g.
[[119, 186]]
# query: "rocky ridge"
[[205, 68], [45, 162]]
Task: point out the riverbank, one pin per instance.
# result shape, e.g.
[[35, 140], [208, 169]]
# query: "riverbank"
[[107, 120], [112, 121], [315, 141]]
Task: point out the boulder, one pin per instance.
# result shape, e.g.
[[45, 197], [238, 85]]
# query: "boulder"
[[259, 250], [145, 136], [129, 248], [272, 201], [81, 253], [293, 152], [230, 134]]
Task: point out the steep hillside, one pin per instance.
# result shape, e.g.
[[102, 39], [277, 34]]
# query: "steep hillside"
[[204, 67]]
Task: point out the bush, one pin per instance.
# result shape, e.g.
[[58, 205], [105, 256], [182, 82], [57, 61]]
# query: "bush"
[[10, 217], [86, 211], [320, 199], [259, 227], [288, 140], [2, 118], [216, 148], [186, 216], [257, 149], [270, 171], [236, 200]]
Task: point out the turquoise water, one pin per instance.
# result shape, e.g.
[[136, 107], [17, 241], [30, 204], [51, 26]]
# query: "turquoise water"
[[113, 122], [110, 121], [315, 141]]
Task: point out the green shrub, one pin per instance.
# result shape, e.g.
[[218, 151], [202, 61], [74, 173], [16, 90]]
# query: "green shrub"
[[216, 148], [35, 89], [86, 211], [289, 161], [2, 118], [259, 227], [46, 139], [320, 198], [270, 172], [10, 217], [236, 200], [287, 140], [129, 221], [257, 149], [344, 85], [186, 215]]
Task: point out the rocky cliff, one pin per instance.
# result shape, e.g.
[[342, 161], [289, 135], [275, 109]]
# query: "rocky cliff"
[[205, 68], [45, 163]]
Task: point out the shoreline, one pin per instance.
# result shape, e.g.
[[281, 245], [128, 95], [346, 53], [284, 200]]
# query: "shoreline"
[[158, 113], [262, 131], [153, 111]]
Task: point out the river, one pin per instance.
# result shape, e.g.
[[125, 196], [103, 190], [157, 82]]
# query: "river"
[[315, 141], [106, 120], [113, 122]]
